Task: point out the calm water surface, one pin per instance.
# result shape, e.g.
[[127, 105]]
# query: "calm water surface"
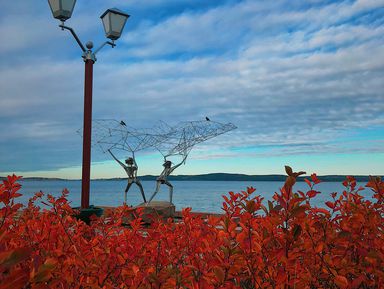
[[202, 196]]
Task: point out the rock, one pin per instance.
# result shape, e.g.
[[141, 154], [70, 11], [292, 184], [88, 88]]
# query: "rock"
[[157, 209]]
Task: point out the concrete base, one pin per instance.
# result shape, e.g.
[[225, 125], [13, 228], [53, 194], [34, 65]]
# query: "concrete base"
[[157, 209]]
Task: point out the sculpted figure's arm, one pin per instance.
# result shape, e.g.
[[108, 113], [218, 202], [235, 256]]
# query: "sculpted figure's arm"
[[116, 159], [134, 160], [162, 175], [179, 164], [135, 165]]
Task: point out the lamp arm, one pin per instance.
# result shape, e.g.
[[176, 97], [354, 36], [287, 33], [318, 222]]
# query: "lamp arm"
[[74, 35], [102, 46]]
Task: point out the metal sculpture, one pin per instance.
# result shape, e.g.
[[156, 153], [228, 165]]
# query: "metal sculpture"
[[181, 138], [130, 168], [110, 134], [170, 141], [162, 179]]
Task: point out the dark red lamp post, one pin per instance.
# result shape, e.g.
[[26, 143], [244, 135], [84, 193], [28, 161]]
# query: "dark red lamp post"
[[114, 21]]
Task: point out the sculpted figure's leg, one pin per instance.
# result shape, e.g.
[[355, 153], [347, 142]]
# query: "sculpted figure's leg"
[[170, 190], [126, 191], [158, 183], [138, 183]]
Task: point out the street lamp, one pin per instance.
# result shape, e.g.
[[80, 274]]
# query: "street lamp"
[[113, 21], [62, 10]]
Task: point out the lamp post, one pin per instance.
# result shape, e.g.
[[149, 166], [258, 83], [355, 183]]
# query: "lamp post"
[[114, 21]]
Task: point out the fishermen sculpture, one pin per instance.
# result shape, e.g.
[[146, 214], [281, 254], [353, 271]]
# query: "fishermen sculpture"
[[170, 141], [131, 170], [162, 179]]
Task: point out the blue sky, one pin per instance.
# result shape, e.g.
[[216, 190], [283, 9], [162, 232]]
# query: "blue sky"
[[302, 81]]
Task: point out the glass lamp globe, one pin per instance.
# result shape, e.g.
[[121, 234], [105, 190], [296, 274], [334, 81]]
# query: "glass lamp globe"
[[114, 22], [62, 9]]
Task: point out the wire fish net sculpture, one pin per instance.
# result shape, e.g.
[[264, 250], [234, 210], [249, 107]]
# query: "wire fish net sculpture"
[[110, 134], [181, 138]]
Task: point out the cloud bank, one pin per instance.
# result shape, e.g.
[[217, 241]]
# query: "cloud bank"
[[296, 78]]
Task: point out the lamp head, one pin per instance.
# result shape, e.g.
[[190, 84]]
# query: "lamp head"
[[114, 21], [62, 9]]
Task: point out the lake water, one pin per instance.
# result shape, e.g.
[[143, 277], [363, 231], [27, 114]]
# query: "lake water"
[[202, 196]]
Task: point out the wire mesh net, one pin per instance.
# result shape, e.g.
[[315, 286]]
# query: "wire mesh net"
[[111, 134]]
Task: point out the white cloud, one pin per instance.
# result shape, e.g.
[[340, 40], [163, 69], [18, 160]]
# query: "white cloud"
[[298, 78]]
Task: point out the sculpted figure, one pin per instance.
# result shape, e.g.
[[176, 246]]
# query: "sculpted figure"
[[130, 168], [162, 179]]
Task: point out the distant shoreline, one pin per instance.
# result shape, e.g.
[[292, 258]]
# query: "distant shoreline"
[[214, 177]]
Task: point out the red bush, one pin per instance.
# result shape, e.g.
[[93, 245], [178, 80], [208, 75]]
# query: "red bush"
[[286, 244]]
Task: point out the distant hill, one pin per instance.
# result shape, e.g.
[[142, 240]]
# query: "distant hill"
[[221, 177], [250, 178], [38, 179]]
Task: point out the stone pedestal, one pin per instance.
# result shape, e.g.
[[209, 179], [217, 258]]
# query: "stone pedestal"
[[157, 209]]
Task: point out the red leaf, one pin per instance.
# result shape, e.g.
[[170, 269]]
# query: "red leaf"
[[312, 193], [356, 282], [298, 211], [308, 182], [330, 204], [219, 272], [250, 190], [341, 281], [319, 248], [250, 207], [17, 279], [288, 170], [315, 179]]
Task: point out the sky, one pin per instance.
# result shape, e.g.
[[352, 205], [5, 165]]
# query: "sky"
[[302, 81]]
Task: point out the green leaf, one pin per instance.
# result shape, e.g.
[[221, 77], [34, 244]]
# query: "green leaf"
[[297, 231], [11, 258]]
